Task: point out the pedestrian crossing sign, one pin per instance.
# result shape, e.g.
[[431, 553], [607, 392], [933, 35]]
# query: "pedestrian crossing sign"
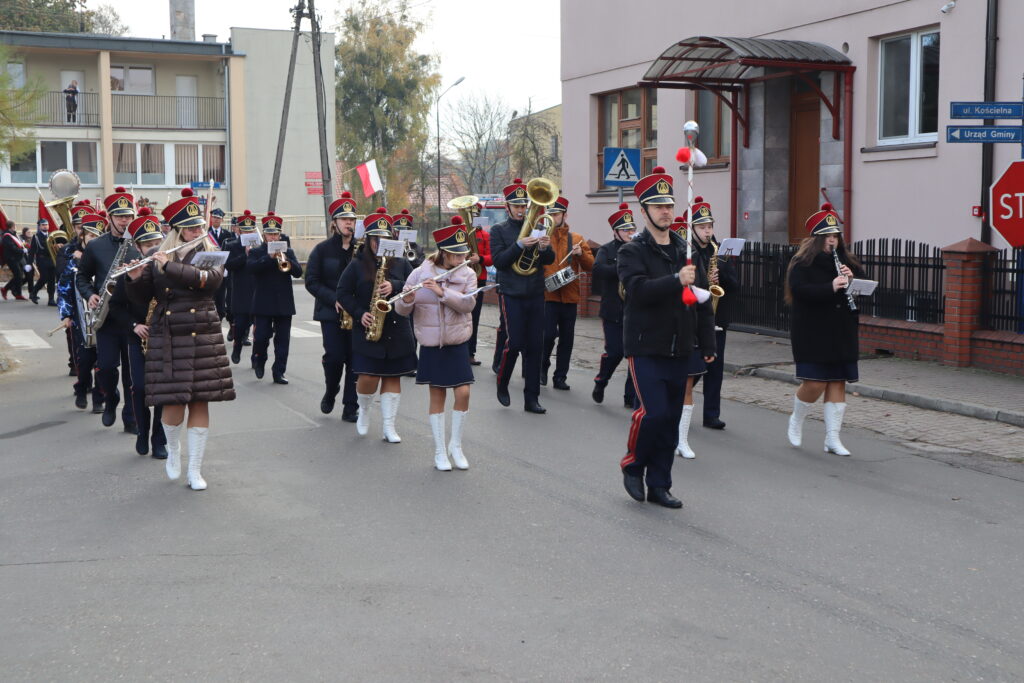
[[621, 166]]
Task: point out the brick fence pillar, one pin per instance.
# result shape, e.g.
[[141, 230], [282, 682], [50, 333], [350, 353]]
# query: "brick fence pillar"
[[964, 284]]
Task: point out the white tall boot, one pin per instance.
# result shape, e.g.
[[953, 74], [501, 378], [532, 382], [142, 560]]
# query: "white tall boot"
[[440, 456], [796, 421], [683, 447], [196, 450], [455, 445], [389, 408], [363, 419], [173, 463], [833, 423]]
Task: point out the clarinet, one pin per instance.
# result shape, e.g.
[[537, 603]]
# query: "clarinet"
[[846, 290]]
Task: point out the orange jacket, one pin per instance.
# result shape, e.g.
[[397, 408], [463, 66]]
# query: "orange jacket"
[[570, 293]]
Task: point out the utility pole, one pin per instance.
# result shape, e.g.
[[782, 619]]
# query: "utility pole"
[[299, 12]]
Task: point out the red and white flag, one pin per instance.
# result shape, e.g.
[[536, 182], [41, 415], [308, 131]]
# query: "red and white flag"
[[45, 215], [371, 179]]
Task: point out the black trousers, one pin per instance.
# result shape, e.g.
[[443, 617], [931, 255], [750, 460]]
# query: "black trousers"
[[654, 432], [241, 325], [278, 326], [476, 318], [46, 277], [13, 285], [610, 359], [337, 360], [85, 365], [111, 349], [560, 323], [523, 320], [137, 372], [228, 313], [219, 299], [713, 380], [499, 341]]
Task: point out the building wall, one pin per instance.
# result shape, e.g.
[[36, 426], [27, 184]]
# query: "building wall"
[[923, 194]]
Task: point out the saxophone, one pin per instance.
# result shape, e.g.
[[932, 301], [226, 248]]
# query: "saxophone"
[[107, 290], [716, 290], [379, 307]]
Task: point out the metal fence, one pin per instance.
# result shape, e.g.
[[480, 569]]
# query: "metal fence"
[[52, 110], [1003, 297], [761, 268], [168, 111]]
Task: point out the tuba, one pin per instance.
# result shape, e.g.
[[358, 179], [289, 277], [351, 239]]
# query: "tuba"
[[542, 193], [465, 206], [64, 185]]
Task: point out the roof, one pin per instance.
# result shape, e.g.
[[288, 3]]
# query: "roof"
[[733, 61], [94, 42]]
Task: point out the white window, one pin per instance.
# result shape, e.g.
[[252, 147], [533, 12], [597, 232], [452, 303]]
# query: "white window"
[[53, 155], [166, 164], [132, 80], [908, 88], [16, 70]]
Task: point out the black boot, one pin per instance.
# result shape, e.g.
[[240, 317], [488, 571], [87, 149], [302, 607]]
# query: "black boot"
[[503, 397], [533, 406], [662, 497], [110, 409], [634, 484], [159, 451], [97, 403], [560, 384], [80, 401], [142, 444], [598, 393], [279, 378]]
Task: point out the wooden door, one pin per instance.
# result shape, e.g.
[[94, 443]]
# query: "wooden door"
[[804, 144]]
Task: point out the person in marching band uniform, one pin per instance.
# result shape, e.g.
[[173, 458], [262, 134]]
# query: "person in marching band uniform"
[[380, 363], [15, 258], [84, 358], [442, 317], [483, 259], [324, 267], [186, 363], [560, 305], [606, 283], [660, 334], [220, 236], [824, 330], [243, 283], [273, 301], [39, 254]]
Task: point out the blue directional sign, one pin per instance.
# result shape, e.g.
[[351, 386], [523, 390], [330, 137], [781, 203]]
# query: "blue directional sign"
[[202, 185], [986, 110], [985, 134], [621, 166]]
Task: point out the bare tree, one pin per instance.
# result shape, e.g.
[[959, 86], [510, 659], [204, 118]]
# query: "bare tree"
[[535, 141], [477, 132], [107, 22]]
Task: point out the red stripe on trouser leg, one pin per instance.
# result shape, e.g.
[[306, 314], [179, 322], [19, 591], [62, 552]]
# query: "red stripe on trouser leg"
[[504, 324], [634, 428]]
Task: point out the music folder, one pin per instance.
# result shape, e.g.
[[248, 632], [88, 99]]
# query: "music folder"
[[862, 287]]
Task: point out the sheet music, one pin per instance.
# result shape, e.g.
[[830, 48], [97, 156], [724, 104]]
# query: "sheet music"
[[862, 287], [391, 248], [360, 229], [208, 260], [277, 247], [537, 232], [478, 290], [250, 239], [407, 235], [731, 246]]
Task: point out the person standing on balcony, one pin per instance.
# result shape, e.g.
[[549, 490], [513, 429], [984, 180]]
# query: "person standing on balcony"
[[71, 101]]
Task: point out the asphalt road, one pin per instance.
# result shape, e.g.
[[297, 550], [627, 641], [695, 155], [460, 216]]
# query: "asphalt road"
[[319, 555]]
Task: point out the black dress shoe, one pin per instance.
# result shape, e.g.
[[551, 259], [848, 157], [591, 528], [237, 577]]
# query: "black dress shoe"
[[634, 484], [561, 385], [494, 369], [327, 404], [34, 299], [236, 356], [543, 378], [231, 333], [97, 406], [159, 451], [131, 428], [280, 379], [598, 393], [350, 417], [714, 423], [80, 401], [474, 361], [72, 372], [503, 397], [246, 342], [534, 407], [258, 369], [142, 444], [110, 410], [51, 303], [663, 497]]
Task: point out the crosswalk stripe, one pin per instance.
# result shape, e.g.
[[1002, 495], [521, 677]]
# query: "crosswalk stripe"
[[298, 332], [24, 339]]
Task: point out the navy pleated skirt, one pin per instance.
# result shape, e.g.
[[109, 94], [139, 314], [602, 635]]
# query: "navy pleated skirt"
[[696, 365], [827, 372], [383, 367], [444, 366]]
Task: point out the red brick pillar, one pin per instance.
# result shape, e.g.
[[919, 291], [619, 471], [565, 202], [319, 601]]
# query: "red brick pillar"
[[965, 264]]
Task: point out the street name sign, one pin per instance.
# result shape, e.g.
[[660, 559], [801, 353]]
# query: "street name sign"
[[984, 134], [986, 110], [621, 166]]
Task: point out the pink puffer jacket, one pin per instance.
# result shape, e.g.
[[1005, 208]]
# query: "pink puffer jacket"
[[444, 321]]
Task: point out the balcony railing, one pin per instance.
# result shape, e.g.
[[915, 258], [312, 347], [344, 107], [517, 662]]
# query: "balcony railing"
[[168, 112], [53, 110]]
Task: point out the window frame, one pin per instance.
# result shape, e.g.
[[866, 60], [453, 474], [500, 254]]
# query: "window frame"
[[722, 132], [42, 177], [637, 123], [127, 68], [914, 85]]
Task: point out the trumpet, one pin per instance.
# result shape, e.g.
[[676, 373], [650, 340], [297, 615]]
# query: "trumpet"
[[124, 269], [283, 264]]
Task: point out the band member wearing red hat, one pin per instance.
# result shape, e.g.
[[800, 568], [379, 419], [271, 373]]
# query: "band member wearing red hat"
[[68, 302], [112, 336], [383, 361], [442, 317], [824, 325], [403, 221], [521, 297], [324, 267], [219, 236], [273, 302], [560, 302], [243, 284], [607, 284], [480, 261], [660, 334], [186, 364]]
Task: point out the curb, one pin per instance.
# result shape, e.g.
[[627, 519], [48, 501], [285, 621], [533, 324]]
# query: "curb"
[[928, 402]]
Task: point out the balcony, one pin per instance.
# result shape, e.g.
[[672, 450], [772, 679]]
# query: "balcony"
[[133, 111], [52, 110]]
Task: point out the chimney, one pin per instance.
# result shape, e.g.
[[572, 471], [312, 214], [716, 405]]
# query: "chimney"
[[209, 37], [183, 19]]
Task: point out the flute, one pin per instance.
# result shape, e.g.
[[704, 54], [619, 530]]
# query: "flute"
[[439, 278], [121, 271]]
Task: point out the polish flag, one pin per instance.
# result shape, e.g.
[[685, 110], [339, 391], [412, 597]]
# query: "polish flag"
[[44, 214], [371, 179]]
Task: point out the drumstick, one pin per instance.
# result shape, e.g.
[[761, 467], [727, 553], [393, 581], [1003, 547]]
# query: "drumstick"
[[54, 330], [570, 253]]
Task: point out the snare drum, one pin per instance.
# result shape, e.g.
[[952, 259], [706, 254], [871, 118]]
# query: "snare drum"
[[560, 279]]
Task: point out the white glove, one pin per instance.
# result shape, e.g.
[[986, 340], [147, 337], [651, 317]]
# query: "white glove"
[[28, 267]]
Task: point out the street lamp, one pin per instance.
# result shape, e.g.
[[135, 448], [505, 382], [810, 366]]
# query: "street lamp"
[[437, 112]]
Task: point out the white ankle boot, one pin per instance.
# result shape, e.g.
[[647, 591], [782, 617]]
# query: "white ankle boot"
[[683, 447], [196, 450], [796, 421], [389, 409], [833, 423], [455, 445], [363, 419], [173, 463], [440, 456]]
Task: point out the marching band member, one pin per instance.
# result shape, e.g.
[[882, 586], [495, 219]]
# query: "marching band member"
[[186, 365], [443, 322], [273, 302], [145, 233], [824, 326], [483, 258], [15, 256], [521, 298], [324, 267], [382, 362], [606, 282], [243, 283], [219, 236], [112, 336], [39, 254], [403, 221], [560, 305], [84, 358], [660, 333], [226, 244]]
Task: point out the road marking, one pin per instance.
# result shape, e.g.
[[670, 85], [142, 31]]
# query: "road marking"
[[313, 323], [298, 332], [24, 339]]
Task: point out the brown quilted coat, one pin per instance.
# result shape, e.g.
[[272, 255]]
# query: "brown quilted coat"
[[186, 360]]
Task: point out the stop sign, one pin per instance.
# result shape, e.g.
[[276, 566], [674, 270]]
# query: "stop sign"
[[1006, 202]]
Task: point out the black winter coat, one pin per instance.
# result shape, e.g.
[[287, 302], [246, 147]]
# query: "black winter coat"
[[324, 267], [505, 251], [606, 281], [727, 280], [92, 271], [656, 322], [39, 254], [823, 328], [355, 289], [243, 283], [272, 293]]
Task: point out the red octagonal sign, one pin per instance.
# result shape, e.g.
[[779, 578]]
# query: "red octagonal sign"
[[1006, 202]]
